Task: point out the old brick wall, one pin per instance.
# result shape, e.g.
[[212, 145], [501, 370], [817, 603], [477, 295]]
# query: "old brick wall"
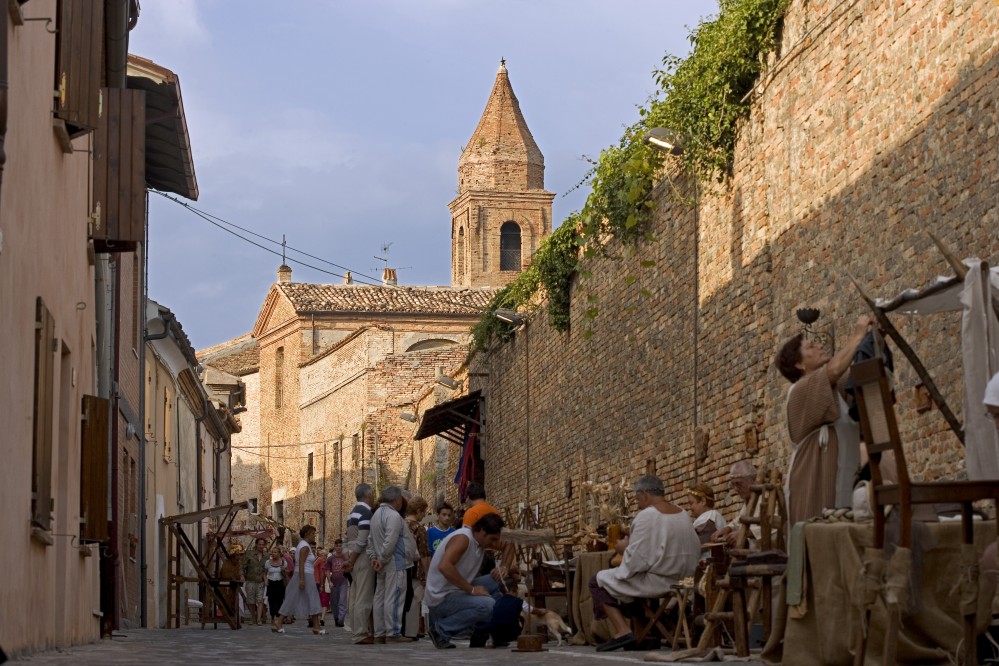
[[876, 123]]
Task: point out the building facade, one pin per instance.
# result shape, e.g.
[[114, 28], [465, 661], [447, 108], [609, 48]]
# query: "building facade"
[[72, 247], [189, 423]]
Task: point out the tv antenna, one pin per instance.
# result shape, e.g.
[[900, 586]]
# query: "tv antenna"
[[385, 259]]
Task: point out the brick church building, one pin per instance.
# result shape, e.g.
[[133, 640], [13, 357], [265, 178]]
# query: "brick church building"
[[334, 371]]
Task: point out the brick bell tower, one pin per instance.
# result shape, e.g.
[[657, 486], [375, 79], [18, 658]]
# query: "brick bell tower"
[[502, 211]]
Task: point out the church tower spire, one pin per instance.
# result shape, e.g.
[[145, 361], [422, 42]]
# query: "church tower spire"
[[502, 211]]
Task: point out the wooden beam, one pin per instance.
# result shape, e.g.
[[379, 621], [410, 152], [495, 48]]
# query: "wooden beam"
[[924, 376]]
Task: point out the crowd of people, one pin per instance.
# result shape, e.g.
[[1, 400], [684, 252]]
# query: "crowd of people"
[[395, 577]]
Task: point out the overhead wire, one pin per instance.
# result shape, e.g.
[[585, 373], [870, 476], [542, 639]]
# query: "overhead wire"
[[220, 223]]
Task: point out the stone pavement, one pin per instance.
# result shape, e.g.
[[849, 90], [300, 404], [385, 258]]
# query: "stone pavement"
[[257, 645]]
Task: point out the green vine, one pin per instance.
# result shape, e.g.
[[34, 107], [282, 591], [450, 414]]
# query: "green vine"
[[704, 96]]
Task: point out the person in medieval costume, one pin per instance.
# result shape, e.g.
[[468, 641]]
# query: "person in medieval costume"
[[825, 441]]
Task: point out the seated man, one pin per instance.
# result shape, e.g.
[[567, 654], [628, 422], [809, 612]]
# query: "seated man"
[[458, 599], [662, 548], [740, 479]]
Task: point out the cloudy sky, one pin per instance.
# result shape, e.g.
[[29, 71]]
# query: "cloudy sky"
[[339, 125]]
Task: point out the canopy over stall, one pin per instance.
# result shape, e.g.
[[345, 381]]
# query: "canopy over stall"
[[973, 291]]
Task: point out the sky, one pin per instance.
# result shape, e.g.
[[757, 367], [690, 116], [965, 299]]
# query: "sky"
[[338, 125]]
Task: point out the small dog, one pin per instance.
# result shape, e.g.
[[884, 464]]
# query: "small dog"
[[556, 626]]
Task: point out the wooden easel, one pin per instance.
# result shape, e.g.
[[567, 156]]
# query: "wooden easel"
[[772, 517]]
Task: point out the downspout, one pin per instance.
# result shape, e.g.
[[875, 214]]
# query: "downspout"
[[199, 470], [111, 615], [144, 290]]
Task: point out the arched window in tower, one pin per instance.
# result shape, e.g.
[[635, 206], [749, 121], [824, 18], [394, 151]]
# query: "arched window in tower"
[[510, 246], [461, 252]]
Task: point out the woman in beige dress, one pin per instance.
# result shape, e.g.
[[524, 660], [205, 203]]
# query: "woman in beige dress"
[[825, 441]]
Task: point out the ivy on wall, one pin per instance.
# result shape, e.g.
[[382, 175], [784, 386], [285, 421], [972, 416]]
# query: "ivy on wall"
[[703, 98]]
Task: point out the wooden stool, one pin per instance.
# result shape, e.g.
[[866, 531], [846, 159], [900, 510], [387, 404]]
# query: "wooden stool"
[[683, 595], [653, 609]]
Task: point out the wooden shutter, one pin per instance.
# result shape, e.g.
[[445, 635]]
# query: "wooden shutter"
[[94, 468], [79, 42], [119, 215], [41, 461]]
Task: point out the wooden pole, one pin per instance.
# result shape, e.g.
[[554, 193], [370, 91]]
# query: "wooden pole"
[[924, 376]]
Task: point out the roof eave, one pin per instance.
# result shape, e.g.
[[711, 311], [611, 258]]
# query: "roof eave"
[[169, 159]]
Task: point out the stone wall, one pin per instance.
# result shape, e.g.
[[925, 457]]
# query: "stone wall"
[[876, 124]]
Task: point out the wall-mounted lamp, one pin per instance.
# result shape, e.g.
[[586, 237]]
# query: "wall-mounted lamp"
[[808, 317], [446, 381], [406, 416], [665, 139], [510, 316]]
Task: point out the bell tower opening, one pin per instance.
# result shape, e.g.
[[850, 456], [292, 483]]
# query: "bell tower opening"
[[510, 246]]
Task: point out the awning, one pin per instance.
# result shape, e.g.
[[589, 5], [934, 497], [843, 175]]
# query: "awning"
[[941, 295], [448, 419], [169, 164], [198, 516]]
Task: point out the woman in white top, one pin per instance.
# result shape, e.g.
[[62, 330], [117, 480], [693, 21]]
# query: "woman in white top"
[[301, 597], [707, 520]]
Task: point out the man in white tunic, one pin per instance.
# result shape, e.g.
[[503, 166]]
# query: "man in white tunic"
[[662, 548]]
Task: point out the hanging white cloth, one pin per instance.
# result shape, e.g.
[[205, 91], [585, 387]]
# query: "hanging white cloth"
[[980, 353]]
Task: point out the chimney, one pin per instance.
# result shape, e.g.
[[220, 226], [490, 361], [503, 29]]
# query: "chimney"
[[389, 278], [284, 273], [348, 278]]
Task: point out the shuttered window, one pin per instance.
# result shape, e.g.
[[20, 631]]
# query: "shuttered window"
[[119, 215], [41, 459], [79, 45], [94, 468]]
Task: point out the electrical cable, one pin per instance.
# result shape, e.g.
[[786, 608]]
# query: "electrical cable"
[[209, 218]]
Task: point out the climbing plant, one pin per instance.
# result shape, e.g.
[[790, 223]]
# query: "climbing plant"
[[702, 98]]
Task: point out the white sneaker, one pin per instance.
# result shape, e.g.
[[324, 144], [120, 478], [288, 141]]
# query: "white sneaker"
[[346, 627]]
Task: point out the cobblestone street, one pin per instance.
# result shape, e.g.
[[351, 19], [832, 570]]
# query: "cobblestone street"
[[257, 645]]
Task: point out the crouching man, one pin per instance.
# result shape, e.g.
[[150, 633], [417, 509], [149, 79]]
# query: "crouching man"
[[458, 599], [662, 548]]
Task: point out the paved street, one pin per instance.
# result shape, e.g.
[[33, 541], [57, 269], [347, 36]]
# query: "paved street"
[[257, 645]]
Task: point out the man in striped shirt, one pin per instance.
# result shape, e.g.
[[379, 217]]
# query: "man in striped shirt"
[[362, 589]]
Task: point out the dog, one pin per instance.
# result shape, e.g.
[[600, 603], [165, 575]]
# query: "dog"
[[545, 618]]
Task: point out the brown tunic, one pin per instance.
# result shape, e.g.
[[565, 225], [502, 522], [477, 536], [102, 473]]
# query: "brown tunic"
[[812, 403]]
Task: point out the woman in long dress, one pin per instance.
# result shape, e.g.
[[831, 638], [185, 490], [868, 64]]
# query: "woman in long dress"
[[301, 597], [825, 442]]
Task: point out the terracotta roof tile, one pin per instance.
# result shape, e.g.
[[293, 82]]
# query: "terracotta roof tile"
[[362, 298], [239, 356]]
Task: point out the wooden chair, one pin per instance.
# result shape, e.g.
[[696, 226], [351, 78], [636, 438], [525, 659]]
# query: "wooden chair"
[[746, 573], [880, 433]]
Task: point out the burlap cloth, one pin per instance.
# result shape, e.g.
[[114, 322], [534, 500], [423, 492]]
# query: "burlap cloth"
[[589, 631], [931, 630]]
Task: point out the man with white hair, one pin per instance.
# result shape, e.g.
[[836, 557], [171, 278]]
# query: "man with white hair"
[[387, 552], [740, 479], [661, 549]]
